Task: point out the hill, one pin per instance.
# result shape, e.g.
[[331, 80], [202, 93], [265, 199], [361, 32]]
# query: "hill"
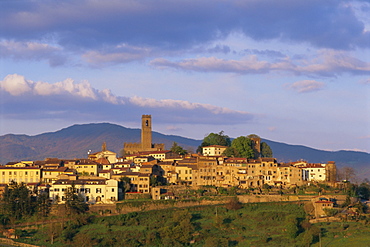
[[75, 141]]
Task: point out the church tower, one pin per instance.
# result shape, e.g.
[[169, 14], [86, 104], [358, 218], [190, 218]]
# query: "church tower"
[[146, 132]]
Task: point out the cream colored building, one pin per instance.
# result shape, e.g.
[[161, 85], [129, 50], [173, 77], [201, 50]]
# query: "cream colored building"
[[213, 150], [92, 190]]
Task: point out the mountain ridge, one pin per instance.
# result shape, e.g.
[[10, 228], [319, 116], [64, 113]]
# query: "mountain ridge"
[[76, 140]]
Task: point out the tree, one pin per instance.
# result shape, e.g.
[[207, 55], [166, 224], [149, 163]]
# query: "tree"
[[215, 139], [266, 151], [75, 203], [43, 204], [346, 173], [243, 146], [231, 152], [178, 149], [125, 183], [364, 191], [17, 201]]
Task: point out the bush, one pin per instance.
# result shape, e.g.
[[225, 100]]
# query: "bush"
[[234, 204]]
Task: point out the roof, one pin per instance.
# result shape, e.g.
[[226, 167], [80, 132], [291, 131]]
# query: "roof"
[[79, 181], [324, 202], [229, 160], [20, 168], [60, 169], [103, 161]]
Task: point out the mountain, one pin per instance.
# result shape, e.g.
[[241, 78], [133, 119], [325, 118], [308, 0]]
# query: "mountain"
[[75, 141]]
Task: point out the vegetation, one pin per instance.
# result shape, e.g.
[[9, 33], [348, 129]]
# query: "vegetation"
[[258, 224], [215, 139], [74, 202], [266, 151], [178, 149], [17, 201]]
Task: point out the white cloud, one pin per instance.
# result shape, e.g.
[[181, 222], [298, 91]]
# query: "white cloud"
[[15, 85], [170, 103], [306, 86], [80, 100]]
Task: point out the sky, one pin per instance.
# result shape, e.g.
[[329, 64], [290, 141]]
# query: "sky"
[[290, 71]]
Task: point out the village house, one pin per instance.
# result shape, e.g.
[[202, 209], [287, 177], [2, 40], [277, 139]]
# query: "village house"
[[51, 175], [213, 150], [92, 190], [86, 166], [20, 174]]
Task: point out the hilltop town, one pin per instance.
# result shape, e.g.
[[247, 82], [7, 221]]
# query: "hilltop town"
[[99, 177]]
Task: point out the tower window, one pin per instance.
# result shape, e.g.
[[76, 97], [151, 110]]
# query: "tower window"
[[146, 123]]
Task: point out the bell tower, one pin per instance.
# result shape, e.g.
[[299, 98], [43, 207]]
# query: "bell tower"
[[146, 132]]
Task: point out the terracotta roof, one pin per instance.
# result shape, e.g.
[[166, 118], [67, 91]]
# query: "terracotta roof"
[[20, 168], [103, 161]]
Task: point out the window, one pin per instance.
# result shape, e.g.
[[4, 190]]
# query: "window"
[[87, 190], [56, 189]]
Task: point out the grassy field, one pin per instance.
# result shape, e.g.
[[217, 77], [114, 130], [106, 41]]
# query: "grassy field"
[[233, 224]]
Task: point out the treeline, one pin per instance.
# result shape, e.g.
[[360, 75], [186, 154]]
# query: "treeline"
[[242, 146], [19, 203]]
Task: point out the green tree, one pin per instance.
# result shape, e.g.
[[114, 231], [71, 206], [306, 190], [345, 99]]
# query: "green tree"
[[364, 191], [125, 184], [266, 151], [231, 152], [43, 204], [243, 146], [75, 203], [17, 201], [215, 139], [178, 149]]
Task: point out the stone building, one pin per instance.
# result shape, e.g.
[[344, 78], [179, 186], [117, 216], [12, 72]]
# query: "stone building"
[[146, 144]]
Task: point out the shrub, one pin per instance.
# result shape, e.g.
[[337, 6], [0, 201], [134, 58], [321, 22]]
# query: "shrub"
[[234, 204]]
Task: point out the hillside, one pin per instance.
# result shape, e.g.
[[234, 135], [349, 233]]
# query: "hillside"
[[75, 141]]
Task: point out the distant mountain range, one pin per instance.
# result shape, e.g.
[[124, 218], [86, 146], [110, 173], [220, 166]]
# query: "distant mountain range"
[[75, 141]]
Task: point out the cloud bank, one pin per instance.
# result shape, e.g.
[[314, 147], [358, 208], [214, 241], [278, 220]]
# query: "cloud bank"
[[327, 63], [113, 32], [22, 98]]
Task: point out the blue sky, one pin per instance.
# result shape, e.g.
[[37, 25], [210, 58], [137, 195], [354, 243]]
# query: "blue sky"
[[291, 71]]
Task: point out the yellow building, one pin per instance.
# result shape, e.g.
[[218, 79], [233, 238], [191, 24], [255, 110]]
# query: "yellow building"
[[51, 175], [20, 174], [89, 167]]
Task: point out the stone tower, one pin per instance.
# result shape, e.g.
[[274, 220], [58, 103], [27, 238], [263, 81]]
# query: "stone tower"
[[331, 171], [146, 132], [256, 146]]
